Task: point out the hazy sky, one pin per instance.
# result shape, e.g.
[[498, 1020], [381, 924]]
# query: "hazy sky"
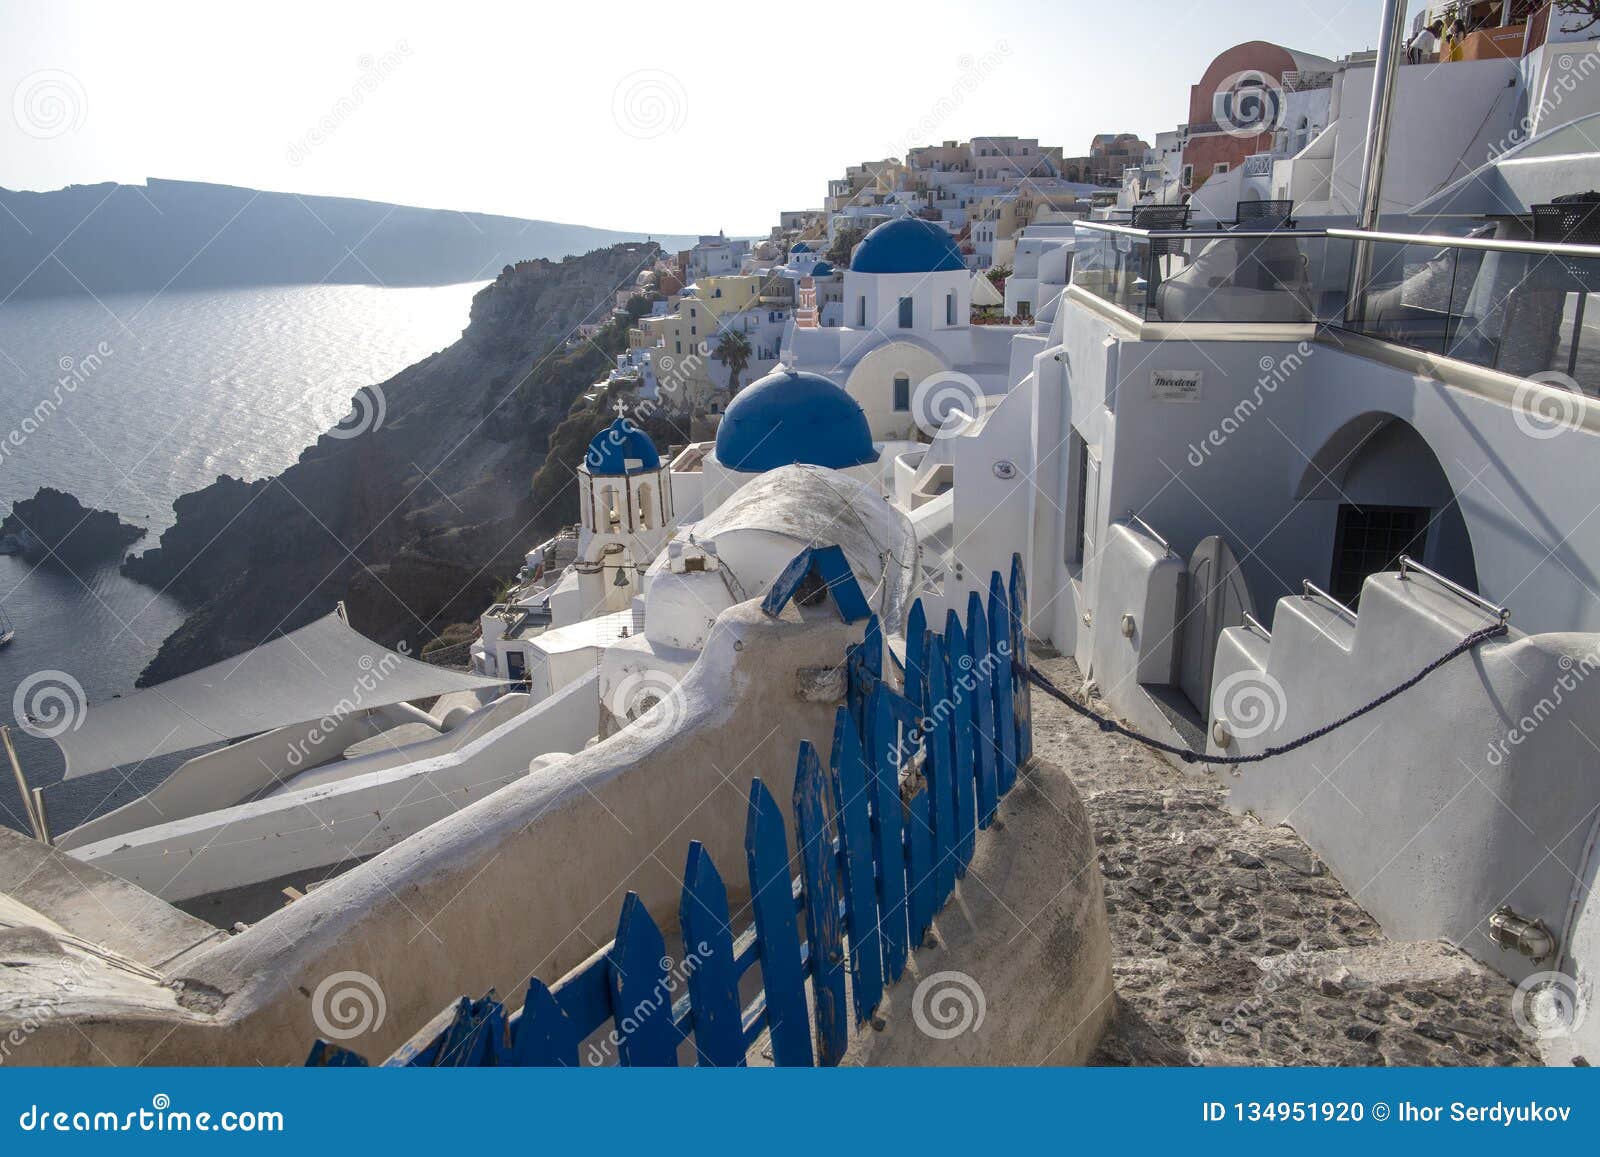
[[651, 116]]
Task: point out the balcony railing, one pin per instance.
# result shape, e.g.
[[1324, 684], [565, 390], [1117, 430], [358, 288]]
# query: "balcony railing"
[[1513, 306], [1517, 307], [1238, 276]]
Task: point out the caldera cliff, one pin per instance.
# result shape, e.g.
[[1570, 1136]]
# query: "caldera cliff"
[[416, 509]]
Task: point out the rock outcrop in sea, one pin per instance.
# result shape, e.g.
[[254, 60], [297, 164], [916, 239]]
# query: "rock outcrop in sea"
[[416, 509], [55, 525]]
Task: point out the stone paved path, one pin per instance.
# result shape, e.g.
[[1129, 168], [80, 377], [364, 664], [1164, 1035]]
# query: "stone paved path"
[[1233, 944]]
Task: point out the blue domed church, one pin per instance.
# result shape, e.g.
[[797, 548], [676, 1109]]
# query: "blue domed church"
[[625, 515], [785, 418], [906, 319]]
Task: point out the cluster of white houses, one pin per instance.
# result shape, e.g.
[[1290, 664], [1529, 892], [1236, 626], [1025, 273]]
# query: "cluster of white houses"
[[1264, 456]]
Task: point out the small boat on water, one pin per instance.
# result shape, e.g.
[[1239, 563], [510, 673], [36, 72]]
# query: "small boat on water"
[[7, 631]]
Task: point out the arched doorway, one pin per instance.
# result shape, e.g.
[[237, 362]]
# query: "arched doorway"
[[1391, 497]]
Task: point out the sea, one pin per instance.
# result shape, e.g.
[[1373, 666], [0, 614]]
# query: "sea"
[[130, 401]]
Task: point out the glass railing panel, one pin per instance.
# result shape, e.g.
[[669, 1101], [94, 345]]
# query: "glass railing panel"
[[1111, 265], [1244, 278], [1515, 310], [1408, 294]]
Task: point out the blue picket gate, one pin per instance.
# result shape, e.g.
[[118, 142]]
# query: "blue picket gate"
[[885, 828]]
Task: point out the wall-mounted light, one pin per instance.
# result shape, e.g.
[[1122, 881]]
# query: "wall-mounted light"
[[1529, 937]]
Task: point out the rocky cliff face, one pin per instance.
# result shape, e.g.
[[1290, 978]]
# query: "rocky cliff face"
[[417, 508]]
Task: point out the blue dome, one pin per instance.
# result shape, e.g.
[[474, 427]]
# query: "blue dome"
[[621, 448], [822, 269], [790, 417], [800, 247], [908, 245]]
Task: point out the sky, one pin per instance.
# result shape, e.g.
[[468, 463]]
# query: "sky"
[[641, 116]]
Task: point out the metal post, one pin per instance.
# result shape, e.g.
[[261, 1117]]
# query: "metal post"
[[1391, 48], [22, 787]]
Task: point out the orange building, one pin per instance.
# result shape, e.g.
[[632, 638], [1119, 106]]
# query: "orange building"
[[1236, 105]]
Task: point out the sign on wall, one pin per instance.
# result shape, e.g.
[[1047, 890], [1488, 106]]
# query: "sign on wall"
[[1175, 385]]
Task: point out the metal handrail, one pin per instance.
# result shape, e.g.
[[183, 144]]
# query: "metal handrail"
[[1491, 245], [1455, 588], [1200, 234], [1311, 590], [1251, 621], [1151, 532]]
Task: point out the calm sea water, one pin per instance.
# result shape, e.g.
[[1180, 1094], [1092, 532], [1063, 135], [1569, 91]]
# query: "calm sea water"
[[148, 399]]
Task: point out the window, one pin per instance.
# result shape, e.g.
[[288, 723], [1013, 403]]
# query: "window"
[[950, 308], [861, 312], [1080, 515], [1219, 168], [905, 313], [902, 393], [1370, 539], [1187, 178]]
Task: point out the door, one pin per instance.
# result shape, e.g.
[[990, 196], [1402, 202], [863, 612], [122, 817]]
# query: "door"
[[1218, 598], [517, 670]]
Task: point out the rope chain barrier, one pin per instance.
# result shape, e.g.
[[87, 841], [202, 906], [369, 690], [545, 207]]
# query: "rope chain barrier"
[[1187, 755]]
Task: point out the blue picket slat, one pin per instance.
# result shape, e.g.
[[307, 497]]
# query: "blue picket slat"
[[640, 993], [940, 770], [916, 684], [331, 1056], [467, 1042], [1005, 714], [824, 925], [872, 648], [821, 570], [542, 1035], [888, 845], [851, 803], [766, 850], [983, 745], [961, 727], [1022, 688], [919, 864], [713, 979]]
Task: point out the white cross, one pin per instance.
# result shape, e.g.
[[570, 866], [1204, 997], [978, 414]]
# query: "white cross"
[[621, 409]]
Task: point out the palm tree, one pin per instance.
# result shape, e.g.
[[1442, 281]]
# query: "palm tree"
[[733, 351]]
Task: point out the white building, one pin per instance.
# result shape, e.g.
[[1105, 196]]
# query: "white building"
[[906, 303]]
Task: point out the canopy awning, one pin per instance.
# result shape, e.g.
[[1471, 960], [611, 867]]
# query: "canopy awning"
[[325, 669]]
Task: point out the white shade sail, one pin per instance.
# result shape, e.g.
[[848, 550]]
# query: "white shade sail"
[[324, 669]]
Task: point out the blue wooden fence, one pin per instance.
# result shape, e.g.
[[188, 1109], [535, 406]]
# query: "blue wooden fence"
[[884, 829]]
